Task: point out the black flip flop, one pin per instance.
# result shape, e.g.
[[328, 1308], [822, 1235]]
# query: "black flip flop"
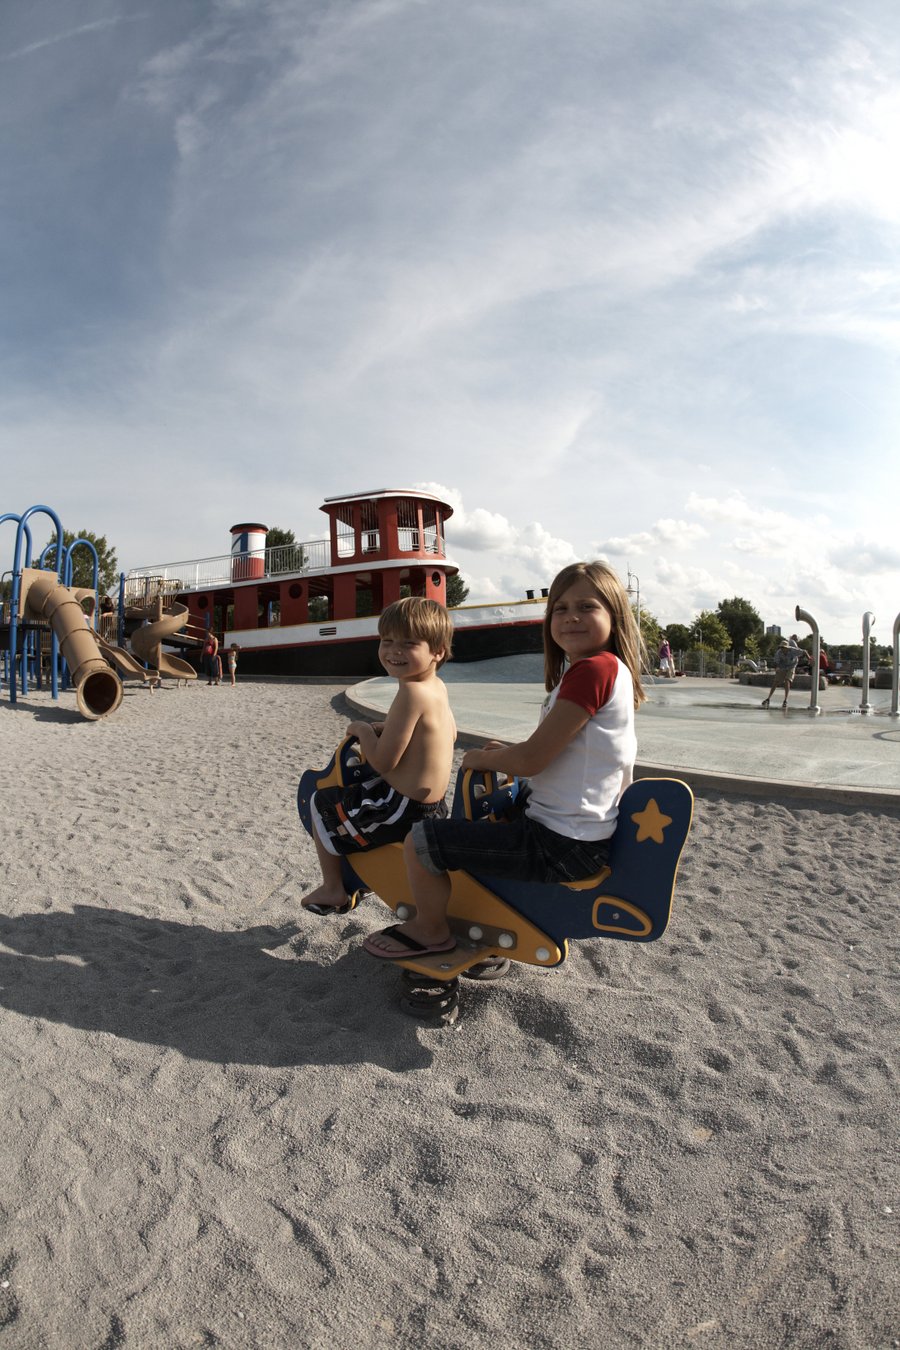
[[414, 948]]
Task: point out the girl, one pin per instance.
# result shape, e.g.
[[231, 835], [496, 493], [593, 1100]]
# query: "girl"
[[578, 761], [232, 661]]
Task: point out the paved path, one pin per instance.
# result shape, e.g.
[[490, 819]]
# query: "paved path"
[[713, 733]]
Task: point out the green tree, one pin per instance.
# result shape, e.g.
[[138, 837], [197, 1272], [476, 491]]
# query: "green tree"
[[292, 557], [766, 645], [83, 561], [741, 622], [679, 636], [457, 590], [709, 632], [650, 631]]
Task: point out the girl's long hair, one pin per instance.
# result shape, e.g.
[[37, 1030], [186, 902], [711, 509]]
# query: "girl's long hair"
[[625, 639]]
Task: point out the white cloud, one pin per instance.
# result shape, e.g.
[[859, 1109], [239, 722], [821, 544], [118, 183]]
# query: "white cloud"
[[529, 554], [862, 557], [665, 533], [596, 264]]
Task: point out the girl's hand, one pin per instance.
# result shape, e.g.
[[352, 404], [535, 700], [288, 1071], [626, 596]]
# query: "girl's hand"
[[481, 759]]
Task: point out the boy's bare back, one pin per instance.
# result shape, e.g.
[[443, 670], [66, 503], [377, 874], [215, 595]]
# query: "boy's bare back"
[[421, 712], [413, 748]]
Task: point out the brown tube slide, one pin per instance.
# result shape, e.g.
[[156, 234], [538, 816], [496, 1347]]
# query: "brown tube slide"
[[146, 642], [98, 689]]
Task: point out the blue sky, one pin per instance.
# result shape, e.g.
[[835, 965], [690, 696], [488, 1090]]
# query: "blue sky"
[[617, 278]]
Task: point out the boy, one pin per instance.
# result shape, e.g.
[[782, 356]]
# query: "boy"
[[787, 656], [410, 753]]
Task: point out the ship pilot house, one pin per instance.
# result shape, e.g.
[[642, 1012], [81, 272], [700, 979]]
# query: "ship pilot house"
[[312, 608]]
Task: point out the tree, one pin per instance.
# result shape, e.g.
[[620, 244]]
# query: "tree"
[[679, 636], [650, 631], [766, 644], [83, 561], [709, 632], [457, 590], [291, 558], [740, 620]]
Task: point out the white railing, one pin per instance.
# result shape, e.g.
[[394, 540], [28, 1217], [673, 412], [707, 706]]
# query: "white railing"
[[197, 574]]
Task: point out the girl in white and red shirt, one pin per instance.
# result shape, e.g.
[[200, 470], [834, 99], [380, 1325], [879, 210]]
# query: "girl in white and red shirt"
[[578, 762]]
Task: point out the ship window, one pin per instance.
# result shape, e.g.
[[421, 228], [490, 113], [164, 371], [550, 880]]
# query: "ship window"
[[431, 524], [368, 519], [407, 525], [344, 529]]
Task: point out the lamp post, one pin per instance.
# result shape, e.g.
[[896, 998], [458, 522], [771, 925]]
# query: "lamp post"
[[635, 590]]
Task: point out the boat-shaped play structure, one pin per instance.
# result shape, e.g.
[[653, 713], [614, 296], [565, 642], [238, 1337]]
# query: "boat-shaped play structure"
[[312, 608]]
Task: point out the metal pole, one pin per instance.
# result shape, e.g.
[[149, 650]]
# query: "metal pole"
[[802, 617], [865, 706], [637, 591]]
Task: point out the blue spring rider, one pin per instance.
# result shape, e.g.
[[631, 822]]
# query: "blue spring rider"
[[496, 921]]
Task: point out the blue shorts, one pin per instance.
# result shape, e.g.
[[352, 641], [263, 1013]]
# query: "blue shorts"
[[522, 849]]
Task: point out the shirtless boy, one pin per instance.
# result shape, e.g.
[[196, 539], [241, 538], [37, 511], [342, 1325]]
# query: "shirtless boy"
[[410, 753]]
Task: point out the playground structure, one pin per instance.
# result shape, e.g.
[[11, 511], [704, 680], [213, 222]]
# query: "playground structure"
[[496, 921], [44, 601]]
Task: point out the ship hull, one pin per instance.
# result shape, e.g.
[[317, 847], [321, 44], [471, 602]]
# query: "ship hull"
[[356, 654]]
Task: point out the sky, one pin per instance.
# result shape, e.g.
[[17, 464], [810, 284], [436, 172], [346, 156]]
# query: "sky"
[[616, 278]]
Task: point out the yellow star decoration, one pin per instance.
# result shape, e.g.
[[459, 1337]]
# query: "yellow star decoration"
[[651, 822]]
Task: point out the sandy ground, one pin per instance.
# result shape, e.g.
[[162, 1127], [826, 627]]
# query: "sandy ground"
[[220, 1130]]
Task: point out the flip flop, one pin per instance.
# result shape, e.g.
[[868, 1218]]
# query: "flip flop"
[[324, 910], [413, 948]]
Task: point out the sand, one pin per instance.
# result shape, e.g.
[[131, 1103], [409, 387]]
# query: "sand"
[[220, 1129]]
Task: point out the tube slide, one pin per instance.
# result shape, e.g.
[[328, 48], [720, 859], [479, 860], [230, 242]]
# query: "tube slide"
[[98, 689], [146, 642]]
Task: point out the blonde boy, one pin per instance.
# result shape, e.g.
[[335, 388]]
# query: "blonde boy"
[[410, 753]]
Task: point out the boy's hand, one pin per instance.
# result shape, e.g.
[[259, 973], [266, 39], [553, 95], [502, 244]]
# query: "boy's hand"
[[355, 728]]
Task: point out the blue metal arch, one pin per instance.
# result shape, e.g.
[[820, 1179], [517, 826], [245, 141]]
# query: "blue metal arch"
[[11, 515], [16, 588]]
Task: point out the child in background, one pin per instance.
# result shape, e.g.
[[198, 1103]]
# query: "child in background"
[[410, 754], [578, 761], [232, 661]]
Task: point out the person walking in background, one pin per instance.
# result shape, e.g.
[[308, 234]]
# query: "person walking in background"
[[666, 664], [786, 658], [824, 663], [211, 657]]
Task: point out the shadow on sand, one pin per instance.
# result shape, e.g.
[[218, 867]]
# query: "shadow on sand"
[[225, 997]]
